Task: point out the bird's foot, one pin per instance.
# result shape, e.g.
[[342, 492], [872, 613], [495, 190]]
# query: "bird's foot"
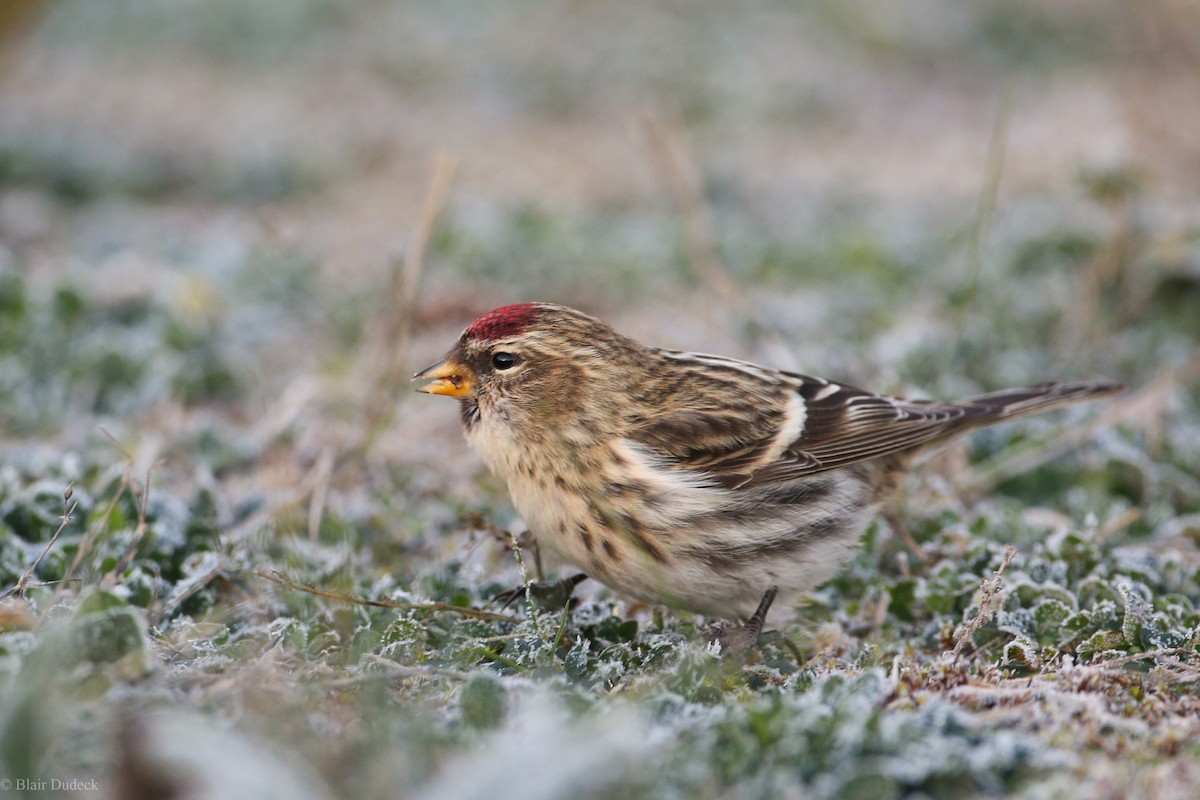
[[546, 595], [736, 638]]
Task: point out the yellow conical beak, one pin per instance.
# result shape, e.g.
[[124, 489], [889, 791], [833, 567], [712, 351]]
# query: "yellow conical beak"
[[446, 378]]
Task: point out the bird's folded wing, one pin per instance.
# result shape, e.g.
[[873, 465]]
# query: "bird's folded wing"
[[714, 442], [838, 426]]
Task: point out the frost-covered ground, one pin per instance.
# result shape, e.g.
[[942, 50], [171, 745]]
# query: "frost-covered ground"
[[243, 559]]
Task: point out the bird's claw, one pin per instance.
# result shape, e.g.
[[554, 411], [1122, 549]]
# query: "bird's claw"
[[547, 595], [732, 639]]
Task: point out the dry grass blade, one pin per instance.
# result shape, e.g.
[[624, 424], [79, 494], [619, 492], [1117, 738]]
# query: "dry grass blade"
[[392, 671], [141, 491], [322, 475], [898, 530], [391, 348], [1170, 661], [1078, 705], [160, 611], [407, 279], [472, 613], [673, 155], [985, 209], [526, 582], [98, 527], [676, 162]]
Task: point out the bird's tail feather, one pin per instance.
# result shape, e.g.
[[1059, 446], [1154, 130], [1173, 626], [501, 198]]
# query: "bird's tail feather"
[[1010, 403]]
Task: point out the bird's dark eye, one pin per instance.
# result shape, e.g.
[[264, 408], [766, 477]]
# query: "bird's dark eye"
[[504, 361]]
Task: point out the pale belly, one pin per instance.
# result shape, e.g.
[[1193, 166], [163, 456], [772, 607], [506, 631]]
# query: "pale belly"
[[716, 563], [671, 537]]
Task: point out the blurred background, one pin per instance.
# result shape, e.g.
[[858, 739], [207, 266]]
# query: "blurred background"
[[841, 187], [229, 231]]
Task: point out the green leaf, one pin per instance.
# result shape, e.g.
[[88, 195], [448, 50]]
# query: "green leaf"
[[483, 701]]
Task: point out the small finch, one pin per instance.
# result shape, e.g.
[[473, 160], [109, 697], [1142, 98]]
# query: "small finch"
[[696, 481]]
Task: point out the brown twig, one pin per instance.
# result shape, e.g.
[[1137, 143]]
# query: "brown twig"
[[23, 582], [472, 613], [988, 588]]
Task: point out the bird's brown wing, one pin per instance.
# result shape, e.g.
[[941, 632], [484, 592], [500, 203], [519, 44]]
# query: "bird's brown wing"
[[745, 425], [842, 425], [845, 425], [717, 443]]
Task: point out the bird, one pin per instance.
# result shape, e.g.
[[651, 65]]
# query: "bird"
[[695, 481]]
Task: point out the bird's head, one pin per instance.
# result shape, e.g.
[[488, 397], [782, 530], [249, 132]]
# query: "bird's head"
[[533, 362]]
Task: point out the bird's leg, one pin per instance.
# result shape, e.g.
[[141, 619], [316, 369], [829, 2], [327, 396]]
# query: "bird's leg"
[[754, 625], [546, 594], [737, 638]]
